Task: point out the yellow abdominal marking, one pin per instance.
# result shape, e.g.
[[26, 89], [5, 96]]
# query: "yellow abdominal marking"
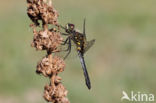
[[78, 43], [78, 48]]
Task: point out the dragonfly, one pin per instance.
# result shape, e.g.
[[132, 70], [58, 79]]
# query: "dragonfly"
[[82, 46]]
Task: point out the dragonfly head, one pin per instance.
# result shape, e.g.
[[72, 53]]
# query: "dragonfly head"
[[69, 27]]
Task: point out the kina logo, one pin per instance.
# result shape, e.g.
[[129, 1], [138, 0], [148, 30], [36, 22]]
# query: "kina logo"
[[137, 96]]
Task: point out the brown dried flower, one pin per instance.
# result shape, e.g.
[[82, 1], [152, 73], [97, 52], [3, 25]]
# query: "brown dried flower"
[[47, 40], [58, 93], [48, 67], [40, 10]]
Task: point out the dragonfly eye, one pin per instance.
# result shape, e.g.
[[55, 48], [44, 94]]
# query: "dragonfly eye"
[[71, 26]]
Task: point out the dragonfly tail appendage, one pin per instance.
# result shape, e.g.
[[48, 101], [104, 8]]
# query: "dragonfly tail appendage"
[[87, 80]]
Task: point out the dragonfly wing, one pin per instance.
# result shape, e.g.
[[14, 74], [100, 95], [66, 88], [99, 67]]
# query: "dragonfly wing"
[[87, 80], [88, 45], [84, 28]]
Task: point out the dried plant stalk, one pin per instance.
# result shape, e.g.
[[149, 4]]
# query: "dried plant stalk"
[[49, 40]]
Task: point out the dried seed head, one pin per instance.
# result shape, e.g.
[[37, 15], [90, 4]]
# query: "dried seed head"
[[48, 67], [55, 95], [40, 10], [47, 40]]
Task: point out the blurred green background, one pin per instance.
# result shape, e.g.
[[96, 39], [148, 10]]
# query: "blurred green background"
[[123, 57]]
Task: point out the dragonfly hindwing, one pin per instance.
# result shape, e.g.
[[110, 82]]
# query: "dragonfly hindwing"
[[88, 45]]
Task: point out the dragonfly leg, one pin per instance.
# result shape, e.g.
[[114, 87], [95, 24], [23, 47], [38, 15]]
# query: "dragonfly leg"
[[62, 27], [68, 49], [64, 34], [65, 42]]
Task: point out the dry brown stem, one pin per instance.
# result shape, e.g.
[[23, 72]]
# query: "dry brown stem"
[[49, 40]]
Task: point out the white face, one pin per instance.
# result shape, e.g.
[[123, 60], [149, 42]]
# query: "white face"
[[67, 27]]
